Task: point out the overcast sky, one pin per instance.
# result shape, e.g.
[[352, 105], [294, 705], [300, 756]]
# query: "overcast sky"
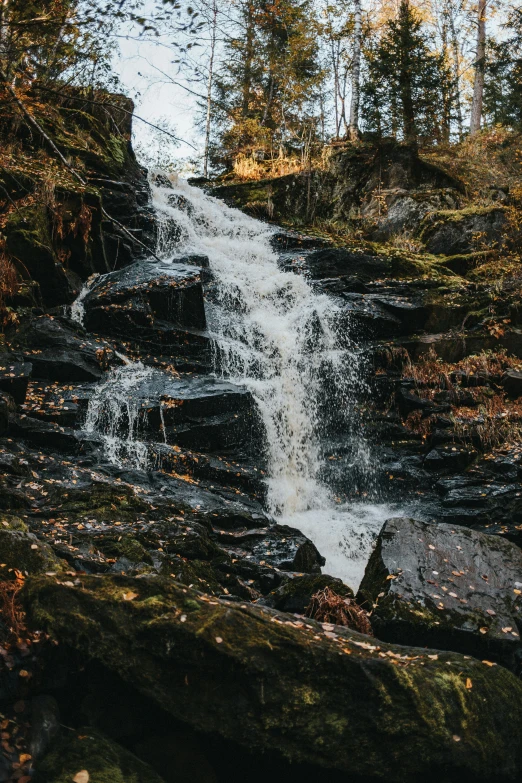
[[138, 65]]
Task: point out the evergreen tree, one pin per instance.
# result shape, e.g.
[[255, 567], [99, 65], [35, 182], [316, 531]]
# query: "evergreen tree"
[[408, 84], [267, 86], [503, 83]]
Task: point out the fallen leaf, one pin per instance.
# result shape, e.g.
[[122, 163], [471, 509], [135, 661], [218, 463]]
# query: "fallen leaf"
[[434, 657], [507, 629], [81, 777], [491, 612], [483, 630], [488, 663], [130, 596], [469, 684], [456, 738]]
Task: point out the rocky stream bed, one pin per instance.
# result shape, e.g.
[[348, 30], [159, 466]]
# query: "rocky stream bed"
[[166, 635]]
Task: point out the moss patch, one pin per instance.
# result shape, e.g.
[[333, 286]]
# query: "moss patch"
[[103, 760]]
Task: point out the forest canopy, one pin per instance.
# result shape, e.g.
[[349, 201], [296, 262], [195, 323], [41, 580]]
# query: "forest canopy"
[[282, 79]]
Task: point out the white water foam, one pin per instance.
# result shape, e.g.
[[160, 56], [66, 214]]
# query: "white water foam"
[[115, 412], [78, 306], [280, 338]]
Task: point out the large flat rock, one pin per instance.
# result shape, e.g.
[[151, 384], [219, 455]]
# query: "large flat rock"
[[268, 681], [447, 587]]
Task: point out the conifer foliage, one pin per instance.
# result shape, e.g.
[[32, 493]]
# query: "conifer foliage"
[[407, 81], [268, 87]]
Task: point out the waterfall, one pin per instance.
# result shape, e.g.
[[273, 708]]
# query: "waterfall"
[[115, 412], [290, 346]]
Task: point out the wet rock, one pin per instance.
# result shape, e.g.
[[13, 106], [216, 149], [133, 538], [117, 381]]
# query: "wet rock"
[[24, 552], [14, 377], [157, 307], [339, 262], [104, 761], [512, 383], [45, 724], [146, 291], [295, 594], [332, 698], [278, 546], [61, 350], [450, 458], [44, 434], [447, 587]]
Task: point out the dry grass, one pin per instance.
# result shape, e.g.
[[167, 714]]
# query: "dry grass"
[[492, 420], [9, 284], [248, 168], [492, 156], [328, 607], [431, 370], [11, 611]]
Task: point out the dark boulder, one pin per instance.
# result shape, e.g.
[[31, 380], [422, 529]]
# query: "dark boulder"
[[61, 351], [23, 552], [295, 594], [323, 695], [339, 262], [44, 434], [154, 305], [463, 231], [170, 291], [99, 759], [512, 383], [447, 587], [14, 377]]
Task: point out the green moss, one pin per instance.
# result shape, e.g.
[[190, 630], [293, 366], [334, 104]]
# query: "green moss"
[[27, 232], [124, 546], [10, 522], [267, 681], [23, 552], [104, 760], [117, 147]]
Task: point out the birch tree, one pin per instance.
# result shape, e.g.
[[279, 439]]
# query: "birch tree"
[[356, 71], [480, 68]]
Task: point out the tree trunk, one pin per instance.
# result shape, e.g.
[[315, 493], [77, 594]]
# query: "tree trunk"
[[480, 62], [356, 73], [210, 82], [456, 72], [249, 57], [405, 75]]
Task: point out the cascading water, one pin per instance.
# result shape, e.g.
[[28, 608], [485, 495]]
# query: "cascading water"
[[290, 346], [115, 412]]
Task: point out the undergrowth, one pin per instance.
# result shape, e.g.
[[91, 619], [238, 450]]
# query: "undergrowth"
[[328, 607]]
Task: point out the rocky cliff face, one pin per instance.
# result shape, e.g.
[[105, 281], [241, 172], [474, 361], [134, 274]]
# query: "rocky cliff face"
[[135, 533]]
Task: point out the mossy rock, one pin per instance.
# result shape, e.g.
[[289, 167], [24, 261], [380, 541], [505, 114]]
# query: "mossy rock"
[[104, 761], [264, 680], [124, 546], [295, 595], [9, 522], [28, 239], [24, 552]]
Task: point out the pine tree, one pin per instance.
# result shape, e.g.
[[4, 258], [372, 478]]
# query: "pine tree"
[[268, 84], [503, 82], [407, 85]]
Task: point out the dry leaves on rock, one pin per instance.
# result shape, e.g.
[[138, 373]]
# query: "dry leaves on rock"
[[328, 607]]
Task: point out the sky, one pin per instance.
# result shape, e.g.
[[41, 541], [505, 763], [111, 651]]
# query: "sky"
[[139, 66]]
